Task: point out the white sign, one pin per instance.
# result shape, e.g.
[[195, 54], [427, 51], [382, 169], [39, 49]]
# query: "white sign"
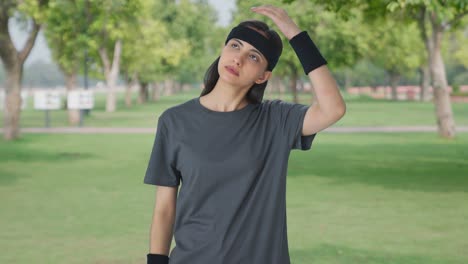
[[80, 99], [24, 100], [47, 100]]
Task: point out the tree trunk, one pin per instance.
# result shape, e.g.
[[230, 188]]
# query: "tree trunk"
[[424, 82], [394, 80], [128, 90], [441, 98], [13, 61], [111, 99], [156, 90], [177, 87], [292, 86], [12, 110], [168, 87], [111, 72], [143, 94], [186, 87], [70, 84], [443, 105], [128, 95]]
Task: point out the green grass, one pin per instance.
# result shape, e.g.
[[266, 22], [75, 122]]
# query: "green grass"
[[351, 199], [361, 111]]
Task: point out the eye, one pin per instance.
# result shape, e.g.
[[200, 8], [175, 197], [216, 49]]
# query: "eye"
[[234, 45], [254, 57]]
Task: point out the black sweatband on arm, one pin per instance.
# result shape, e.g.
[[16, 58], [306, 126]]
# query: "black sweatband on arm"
[[157, 259], [307, 52]]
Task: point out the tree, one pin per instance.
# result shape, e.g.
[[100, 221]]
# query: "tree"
[[153, 49], [434, 17], [461, 52], [191, 25], [440, 15], [64, 31], [31, 12], [341, 42], [396, 48], [109, 24], [196, 23]]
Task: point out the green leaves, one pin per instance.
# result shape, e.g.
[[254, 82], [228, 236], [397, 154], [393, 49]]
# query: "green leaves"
[[341, 39], [35, 9], [397, 48]]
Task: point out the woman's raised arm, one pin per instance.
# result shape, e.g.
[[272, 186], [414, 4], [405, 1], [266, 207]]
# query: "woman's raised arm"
[[329, 106]]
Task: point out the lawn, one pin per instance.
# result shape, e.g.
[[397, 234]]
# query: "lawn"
[[360, 112], [351, 199]]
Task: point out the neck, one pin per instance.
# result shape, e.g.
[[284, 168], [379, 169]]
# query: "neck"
[[225, 97]]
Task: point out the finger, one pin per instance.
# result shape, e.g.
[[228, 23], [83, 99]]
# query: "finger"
[[265, 8], [265, 11], [269, 7], [278, 13]]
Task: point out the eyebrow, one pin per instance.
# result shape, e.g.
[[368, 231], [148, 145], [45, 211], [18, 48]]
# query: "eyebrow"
[[254, 50]]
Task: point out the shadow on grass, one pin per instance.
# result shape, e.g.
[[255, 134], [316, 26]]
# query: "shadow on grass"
[[18, 153], [327, 253], [419, 167], [8, 177], [25, 155]]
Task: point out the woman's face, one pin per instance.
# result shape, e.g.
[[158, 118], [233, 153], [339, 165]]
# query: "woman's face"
[[242, 64]]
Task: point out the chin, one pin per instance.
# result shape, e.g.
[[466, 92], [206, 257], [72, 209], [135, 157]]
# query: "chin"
[[223, 78]]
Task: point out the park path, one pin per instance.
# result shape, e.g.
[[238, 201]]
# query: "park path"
[[142, 130]]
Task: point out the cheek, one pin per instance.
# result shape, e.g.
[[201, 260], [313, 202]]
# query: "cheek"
[[225, 52], [257, 68], [224, 58]]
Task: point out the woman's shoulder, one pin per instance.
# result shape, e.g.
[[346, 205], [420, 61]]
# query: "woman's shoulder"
[[275, 104], [178, 109]]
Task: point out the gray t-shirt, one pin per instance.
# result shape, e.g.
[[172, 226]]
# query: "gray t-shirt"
[[231, 205]]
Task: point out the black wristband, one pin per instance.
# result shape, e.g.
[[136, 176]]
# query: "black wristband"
[[157, 259], [307, 52]]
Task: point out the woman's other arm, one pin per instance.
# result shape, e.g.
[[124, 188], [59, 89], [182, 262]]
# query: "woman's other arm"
[[329, 106], [161, 230]]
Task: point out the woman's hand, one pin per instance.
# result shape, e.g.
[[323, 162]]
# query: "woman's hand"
[[280, 18]]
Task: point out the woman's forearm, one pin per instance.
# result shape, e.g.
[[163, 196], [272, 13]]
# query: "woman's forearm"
[[161, 233]]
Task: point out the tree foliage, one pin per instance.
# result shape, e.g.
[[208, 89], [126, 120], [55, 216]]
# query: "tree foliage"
[[341, 42], [65, 32]]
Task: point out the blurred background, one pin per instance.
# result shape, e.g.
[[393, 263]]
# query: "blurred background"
[[83, 83]]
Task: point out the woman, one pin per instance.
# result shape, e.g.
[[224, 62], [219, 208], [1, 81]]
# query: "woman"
[[230, 149]]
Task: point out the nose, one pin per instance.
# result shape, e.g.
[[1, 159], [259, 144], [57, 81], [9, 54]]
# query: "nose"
[[237, 60]]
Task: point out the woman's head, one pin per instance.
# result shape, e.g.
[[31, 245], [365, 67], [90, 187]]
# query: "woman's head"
[[250, 53]]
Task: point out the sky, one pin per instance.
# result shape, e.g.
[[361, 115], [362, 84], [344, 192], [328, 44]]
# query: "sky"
[[41, 52]]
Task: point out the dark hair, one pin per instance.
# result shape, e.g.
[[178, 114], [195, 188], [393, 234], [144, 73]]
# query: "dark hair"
[[255, 93]]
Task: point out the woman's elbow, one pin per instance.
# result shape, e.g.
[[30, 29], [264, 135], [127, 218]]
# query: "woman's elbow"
[[340, 111]]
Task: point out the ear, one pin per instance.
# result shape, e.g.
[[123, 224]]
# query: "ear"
[[264, 77]]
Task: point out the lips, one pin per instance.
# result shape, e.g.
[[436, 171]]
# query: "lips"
[[232, 70]]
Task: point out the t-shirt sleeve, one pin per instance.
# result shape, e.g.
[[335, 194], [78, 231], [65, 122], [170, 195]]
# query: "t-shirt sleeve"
[[161, 169], [291, 122]]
